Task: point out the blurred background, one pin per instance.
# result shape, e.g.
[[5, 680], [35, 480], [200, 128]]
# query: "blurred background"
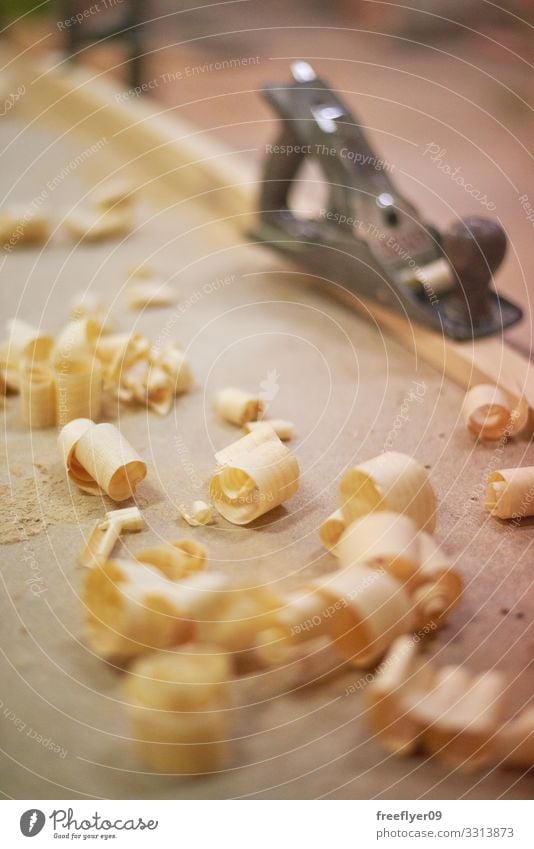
[[443, 75]]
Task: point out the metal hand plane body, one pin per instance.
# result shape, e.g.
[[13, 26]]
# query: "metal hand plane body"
[[369, 238]]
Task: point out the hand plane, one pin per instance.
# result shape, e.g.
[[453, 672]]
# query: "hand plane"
[[369, 239]]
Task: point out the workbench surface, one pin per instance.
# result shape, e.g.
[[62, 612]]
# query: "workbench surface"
[[244, 318]]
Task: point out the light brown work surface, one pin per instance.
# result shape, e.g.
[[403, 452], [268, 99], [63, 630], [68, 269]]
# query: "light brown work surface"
[[345, 386]]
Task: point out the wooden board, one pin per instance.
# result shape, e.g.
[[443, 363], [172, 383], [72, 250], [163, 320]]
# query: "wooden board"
[[244, 317]]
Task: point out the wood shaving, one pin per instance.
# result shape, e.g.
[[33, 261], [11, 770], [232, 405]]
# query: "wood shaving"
[[177, 559], [19, 228], [94, 225], [510, 493], [489, 414], [331, 531], [390, 481], [133, 608], [393, 543], [198, 514], [237, 406], [106, 533], [283, 429], [178, 706], [99, 460], [449, 712], [257, 473]]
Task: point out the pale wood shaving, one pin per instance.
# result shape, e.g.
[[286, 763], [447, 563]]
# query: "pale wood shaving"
[[490, 414], [390, 481], [258, 473]]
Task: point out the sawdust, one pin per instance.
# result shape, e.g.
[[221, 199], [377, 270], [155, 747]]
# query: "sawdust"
[[34, 503]]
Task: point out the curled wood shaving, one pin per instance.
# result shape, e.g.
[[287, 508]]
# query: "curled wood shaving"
[[393, 543], [177, 559], [257, 473], [106, 533], [360, 610], [240, 616], [87, 304], [370, 609], [448, 712], [174, 362], [295, 665], [78, 385], [390, 481], [119, 352], [99, 460], [237, 406], [58, 381], [140, 374], [77, 340], [510, 493], [133, 608], [282, 428], [24, 344], [331, 531], [198, 514], [489, 414], [37, 395], [178, 706]]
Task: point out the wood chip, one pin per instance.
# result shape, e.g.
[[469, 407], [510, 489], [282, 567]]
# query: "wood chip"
[[392, 542], [106, 533], [258, 473], [510, 493], [283, 429], [177, 559], [390, 481], [448, 712], [99, 460], [78, 388], [331, 531], [198, 514], [93, 225], [37, 395], [133, 608], [237, 406], [20, 227], [178, 706], [490, 414]]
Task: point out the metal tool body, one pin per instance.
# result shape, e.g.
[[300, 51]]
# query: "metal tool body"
[[370, 239]]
